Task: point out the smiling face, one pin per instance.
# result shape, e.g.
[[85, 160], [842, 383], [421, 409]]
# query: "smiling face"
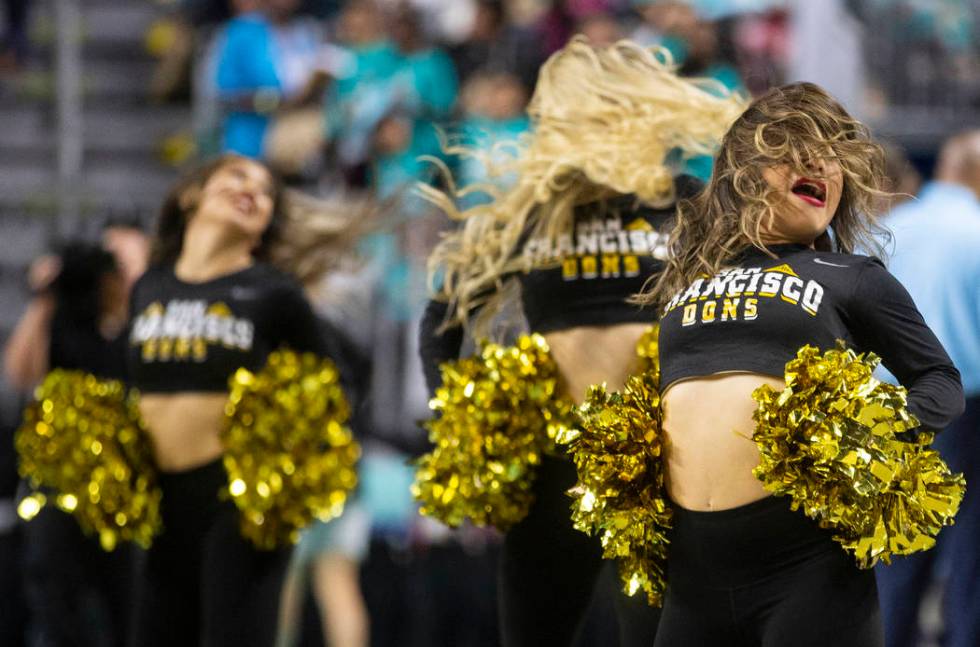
[[803, 205], [240, 196]]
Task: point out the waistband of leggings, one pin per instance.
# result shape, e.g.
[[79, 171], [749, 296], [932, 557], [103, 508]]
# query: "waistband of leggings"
[[209, 477], [765, 506], [742, 545]]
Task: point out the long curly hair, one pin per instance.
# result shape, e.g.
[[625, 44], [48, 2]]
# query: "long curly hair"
[[605, 123], [793, 125], [306, 236]]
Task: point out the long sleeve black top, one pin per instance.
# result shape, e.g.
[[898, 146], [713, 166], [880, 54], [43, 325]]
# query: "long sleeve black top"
[[756, 315]]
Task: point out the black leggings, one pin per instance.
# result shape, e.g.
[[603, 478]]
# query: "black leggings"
[[202, 583], [77, 593], [548, 572], [761, 575]]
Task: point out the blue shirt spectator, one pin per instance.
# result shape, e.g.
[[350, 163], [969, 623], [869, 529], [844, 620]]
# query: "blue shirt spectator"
[[937, 258], [937, 240], [246, 68]]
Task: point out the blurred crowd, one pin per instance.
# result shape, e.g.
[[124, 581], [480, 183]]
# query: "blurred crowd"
[[344, 96], [354, 94]]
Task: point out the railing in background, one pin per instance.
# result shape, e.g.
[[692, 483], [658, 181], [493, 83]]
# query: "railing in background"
[[68, 74]]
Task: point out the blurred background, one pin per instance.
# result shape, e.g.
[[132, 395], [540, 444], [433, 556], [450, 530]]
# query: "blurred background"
[[104, 102]]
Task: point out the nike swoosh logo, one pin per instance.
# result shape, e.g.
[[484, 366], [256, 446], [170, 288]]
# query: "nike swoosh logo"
[[819, 262], [238, 292]]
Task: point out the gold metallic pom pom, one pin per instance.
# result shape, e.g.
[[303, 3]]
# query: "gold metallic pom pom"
[[648, 350], [83, 439], [499, 413], [620, 491], [828, 442], [289, 455]]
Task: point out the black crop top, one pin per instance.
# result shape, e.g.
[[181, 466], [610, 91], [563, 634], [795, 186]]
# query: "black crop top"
[[582, 279], [585, 277], [194, 336], [755, 316]]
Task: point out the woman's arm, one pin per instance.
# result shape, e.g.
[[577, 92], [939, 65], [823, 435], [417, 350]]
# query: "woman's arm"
[[26, 357], [437, 347], [295, 323], [883, 318]]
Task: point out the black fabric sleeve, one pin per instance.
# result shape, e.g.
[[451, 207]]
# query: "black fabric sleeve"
[[437, 347], [354, 366], [883, 318], [294, 323]]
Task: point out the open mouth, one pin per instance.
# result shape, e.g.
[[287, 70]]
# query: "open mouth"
[[244, 203], [810, 191]]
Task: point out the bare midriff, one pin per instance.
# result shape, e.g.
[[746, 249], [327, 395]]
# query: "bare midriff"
[[710, 454], [588, 355], [184, 428]]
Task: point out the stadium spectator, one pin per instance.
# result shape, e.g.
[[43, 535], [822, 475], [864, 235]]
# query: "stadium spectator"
[[494, 118], [665, 23], [601, 28], [495, 44], [267, 61], [77, 594], [936, 239], [363, 93]]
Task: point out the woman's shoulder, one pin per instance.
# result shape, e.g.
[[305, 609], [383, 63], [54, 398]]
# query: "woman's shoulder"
[[276, 283], [846, 274], [826, 267], [830, 258], [269, 272], [857, 261], [154, 275], [268, 275]]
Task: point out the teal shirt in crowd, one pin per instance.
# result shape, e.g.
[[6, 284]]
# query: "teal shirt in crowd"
[[702, 165], [433, 79], [481, 133], [370, 63], [937, 258], [360, 98]]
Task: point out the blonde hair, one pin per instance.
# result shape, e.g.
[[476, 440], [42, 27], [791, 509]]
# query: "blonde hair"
[[794, 125], [319, 235], [603, 124]]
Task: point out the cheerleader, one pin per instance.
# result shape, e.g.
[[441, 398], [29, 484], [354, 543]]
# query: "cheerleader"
[[761, 265], [579, 231], [77, 593], [214, 300]]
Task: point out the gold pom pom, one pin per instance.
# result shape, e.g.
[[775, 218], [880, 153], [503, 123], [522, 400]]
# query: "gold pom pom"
[[648, 350], [620, 494], [83, 438], [289, 454], [499, 413], [828, 442]]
